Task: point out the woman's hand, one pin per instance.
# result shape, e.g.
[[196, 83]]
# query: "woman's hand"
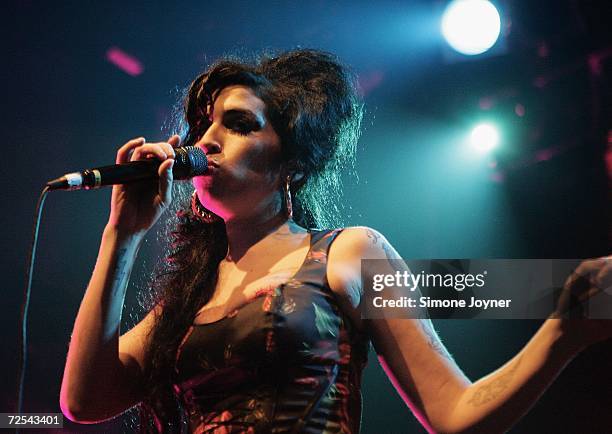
[[591, 279], [136, 207]]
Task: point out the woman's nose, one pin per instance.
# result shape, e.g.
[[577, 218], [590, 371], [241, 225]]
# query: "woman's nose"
[[210, 148], [208, 142]]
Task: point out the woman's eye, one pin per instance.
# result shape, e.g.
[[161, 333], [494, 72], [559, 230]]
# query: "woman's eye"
[[243, 128], [240, 122]]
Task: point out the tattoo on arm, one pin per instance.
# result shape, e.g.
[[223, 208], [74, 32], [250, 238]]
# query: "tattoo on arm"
[[397, 264], [433, 340], [123, 271], [373, 236], [389, 252], [492, 390]]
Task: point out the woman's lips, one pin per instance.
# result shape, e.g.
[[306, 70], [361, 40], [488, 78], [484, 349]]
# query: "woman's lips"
[[212, 168]]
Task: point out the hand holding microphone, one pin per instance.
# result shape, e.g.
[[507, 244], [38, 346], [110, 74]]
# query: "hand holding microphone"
[[190, 161], [136, 206]]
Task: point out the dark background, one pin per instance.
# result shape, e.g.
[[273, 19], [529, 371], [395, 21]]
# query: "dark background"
[[543, 194]]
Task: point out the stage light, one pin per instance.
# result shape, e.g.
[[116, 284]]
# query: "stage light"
[[471, 26], [124, 61], [484, 137]]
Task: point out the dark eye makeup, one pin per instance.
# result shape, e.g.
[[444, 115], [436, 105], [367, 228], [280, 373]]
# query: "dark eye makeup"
[[241, 121], [238, 121]]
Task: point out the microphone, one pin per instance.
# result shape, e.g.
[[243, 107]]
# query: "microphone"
[[189, 161]]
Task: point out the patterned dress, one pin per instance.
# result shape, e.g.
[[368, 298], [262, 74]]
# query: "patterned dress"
[[288, 361]]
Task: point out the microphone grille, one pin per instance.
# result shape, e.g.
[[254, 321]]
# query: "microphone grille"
[[189, 161]]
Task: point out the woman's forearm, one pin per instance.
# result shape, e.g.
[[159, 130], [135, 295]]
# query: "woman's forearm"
[[93, 372], [495, 402]]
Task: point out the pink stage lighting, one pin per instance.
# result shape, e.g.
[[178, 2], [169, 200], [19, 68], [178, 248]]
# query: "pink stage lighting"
[[127, 63]]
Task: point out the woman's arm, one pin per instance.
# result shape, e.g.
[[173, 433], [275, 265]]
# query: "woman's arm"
[[103, 372], [99, 380], [424, 373], [496, 402]]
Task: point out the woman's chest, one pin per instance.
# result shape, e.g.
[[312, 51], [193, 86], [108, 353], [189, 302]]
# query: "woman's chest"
[[289, 324], [241, 283]]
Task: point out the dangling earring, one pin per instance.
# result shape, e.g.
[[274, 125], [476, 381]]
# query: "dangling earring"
[[287, 194], [201, 212]]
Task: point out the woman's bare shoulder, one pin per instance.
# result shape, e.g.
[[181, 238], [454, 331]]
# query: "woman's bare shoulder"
[[351, 246], [363, 242]]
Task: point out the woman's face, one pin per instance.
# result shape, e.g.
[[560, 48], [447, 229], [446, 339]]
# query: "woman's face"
[[244, 154]]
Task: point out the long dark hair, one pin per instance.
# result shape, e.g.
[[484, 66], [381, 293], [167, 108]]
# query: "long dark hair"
[[312, 104]]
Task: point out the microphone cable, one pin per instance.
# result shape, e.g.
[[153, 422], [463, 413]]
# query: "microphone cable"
[[23, 342]]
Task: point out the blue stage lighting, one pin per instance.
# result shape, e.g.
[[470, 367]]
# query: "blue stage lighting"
[[484, 137], [471, 26]]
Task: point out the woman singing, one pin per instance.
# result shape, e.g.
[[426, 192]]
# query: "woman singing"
[[256, 326]]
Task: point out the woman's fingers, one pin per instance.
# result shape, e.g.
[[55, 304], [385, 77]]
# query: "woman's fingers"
[[174, 140], [588, 280], [148, 150], [594, 272], [138, 149], [588, 267], [124, 152], [169, 146], [165, 181], [165, 170], [603, 279]]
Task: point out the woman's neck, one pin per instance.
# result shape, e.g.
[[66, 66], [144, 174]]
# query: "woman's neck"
[[242, 234]]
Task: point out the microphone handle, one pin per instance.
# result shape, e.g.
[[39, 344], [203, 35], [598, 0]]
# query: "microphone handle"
[[120, 173], [189, 161]]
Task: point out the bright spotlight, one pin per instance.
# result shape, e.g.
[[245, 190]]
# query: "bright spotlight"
[[471, 26], [484, 137]]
